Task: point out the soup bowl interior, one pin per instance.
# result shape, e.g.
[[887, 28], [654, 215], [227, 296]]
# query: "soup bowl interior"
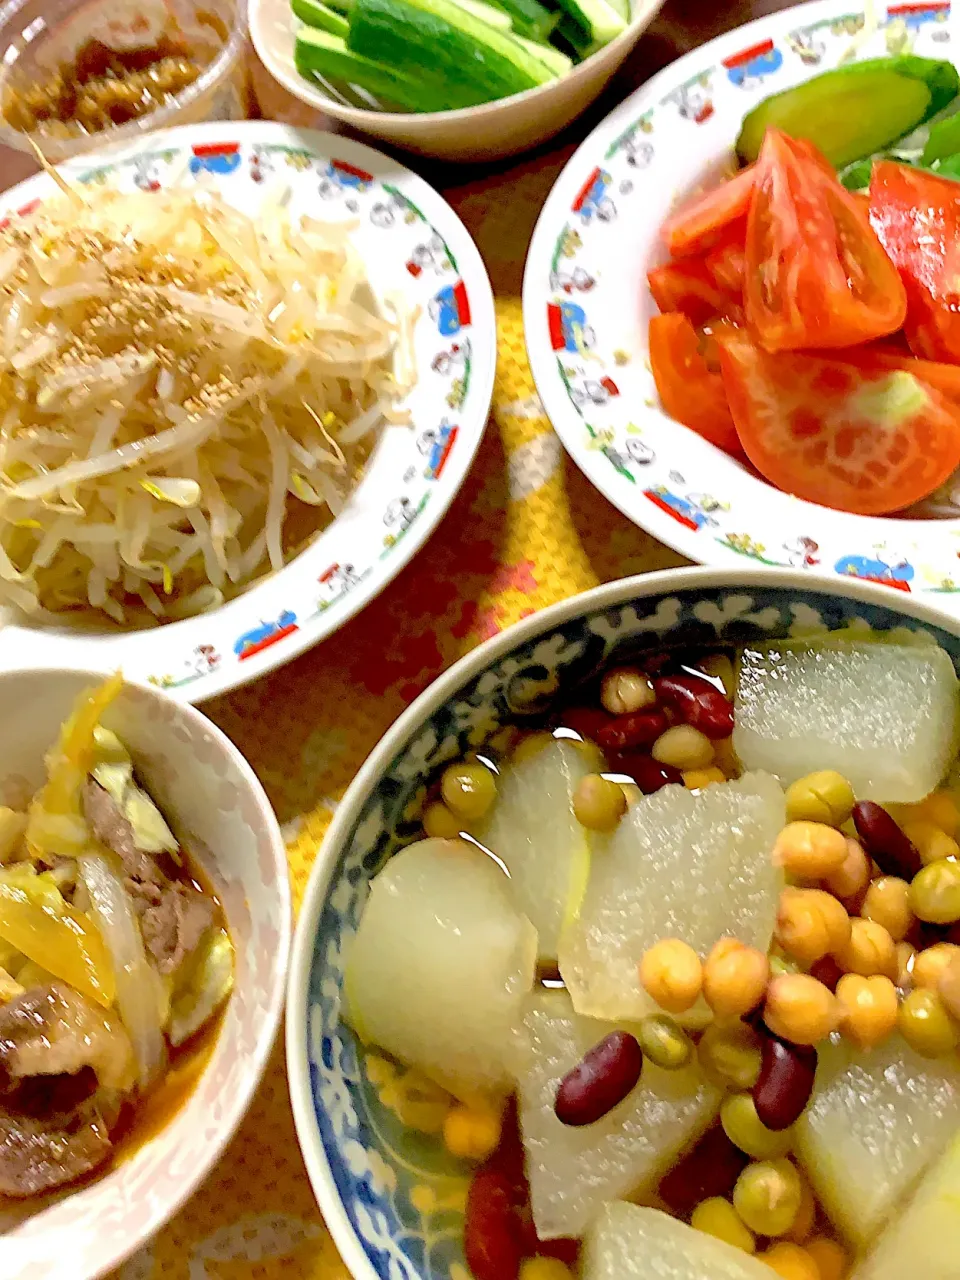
[[392, 1197], [219, 812]]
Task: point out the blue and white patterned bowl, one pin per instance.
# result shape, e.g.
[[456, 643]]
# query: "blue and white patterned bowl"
[[393, 1200]]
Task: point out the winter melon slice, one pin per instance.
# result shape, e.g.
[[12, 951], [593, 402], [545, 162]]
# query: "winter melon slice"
[[679, 865], [875, 1122], [573, 1171], [533, 830], [630, 1243], [883, 715], [440, 966], [925, 1240]]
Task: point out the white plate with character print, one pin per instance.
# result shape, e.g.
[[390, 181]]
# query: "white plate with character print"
[[414, 246], [586, 308]]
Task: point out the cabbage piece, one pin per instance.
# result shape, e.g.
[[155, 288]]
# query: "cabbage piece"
[[113, 770], [205, 987]]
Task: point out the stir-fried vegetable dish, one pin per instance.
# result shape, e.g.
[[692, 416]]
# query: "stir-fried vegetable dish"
[[808, 317], [672, 970], [112, 957], [187, 395]]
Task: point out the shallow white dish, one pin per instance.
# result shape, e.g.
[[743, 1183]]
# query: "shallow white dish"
[[487, 132], [586, 308], [218, 808], [414, 245]]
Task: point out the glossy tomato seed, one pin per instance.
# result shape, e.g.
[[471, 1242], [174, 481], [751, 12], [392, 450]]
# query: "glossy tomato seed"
[[885, 841], [637, 729], [785, 1082], [602, 1078], [698, 703]]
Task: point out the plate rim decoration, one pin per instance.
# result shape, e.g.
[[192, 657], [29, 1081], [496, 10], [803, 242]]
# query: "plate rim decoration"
[[592, 372], [434, 258]]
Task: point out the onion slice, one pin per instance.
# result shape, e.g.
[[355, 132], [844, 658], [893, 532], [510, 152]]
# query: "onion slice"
[[138, 998]]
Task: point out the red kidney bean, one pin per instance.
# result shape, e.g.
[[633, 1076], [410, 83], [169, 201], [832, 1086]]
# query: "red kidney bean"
[[884, 840], [587, 721], [785, 1082], [711, 1168], [649, 774], [638, 729], [602, 1078], [494, 1235], [698, 703], [827, 971]]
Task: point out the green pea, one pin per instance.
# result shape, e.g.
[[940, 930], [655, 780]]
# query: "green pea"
[[664, 1043]]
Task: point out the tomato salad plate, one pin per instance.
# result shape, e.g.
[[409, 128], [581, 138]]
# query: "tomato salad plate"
[[245, 371], [740, 300]]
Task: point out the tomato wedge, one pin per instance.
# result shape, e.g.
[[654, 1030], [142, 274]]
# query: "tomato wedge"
[[689, 391], [691, 288], [917, 216], [945, 378], [816, 273], [709, 217], [865, 441]]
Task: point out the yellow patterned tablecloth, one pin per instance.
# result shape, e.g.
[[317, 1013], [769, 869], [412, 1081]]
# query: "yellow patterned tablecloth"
[[526, 530]]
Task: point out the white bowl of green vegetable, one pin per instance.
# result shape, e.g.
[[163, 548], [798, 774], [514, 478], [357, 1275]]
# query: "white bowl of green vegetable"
[[456, 79]]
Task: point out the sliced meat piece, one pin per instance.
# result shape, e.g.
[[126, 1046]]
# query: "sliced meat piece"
[[38, 1155], [55, 1030], [174, 925], [110, 827]]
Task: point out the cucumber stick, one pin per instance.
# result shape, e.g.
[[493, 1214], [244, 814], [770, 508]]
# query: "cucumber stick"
[[487, 13], [472, 61], [315, 14], [318, 52], [529, 17], [558, 62], [598, 18]]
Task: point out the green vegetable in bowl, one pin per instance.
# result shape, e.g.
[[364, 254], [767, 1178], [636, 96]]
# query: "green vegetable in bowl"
[[855, 110]]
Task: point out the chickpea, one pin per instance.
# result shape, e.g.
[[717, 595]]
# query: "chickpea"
[[949, 987], [926, 1025], [730, 1055], [767, 1196], [870, 950], [544, 1269], [935, 893], [744, 1128], [469, 789], [697, 779], [931, 963], [717, 1217], [683, 747], [472, 1133], [829, 1256], [868, 1008], [440, 822], [735, 977], [888, 903], [625, 690], [931, 842], [906, 958], [531, 744], [598, 803], [790, 1262], [672, 975], [820, 797], [941, 808], [811, 924], [853, 875], [809, 850], [800, 1009]]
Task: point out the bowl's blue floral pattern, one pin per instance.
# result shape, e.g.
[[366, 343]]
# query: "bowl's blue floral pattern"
[[403, 1195]]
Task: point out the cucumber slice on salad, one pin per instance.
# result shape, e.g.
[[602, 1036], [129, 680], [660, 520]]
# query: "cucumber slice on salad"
[[320, 52], [315, 14], [471, 61], [855, 110]]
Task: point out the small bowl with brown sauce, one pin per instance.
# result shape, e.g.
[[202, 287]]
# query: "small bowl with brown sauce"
[[144, 934], [78, 77]]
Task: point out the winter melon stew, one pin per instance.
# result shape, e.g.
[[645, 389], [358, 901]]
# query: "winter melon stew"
[[675, 972], [114, 963]]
